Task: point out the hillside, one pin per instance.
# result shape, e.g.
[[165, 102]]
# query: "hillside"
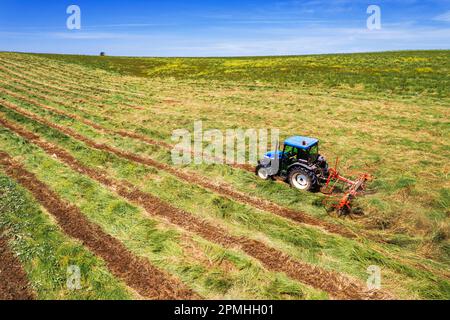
[[406, 73]]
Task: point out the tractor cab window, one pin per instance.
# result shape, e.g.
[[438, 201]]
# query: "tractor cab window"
[[314, 150], [314, 153], [290, 152]]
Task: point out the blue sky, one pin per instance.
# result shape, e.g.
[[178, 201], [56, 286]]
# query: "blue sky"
[[222, 28]]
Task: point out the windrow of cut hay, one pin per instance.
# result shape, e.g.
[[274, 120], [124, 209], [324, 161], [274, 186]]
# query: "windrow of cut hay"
[[336, 284], [190, 177], [138, 273]]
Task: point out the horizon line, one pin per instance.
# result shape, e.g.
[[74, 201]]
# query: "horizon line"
[[237, 56]]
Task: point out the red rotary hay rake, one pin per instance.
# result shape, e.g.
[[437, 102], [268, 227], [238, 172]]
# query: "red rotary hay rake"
[[350, 189]]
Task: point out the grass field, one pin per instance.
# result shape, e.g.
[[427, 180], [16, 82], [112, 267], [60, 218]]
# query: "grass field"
[[86, 177]]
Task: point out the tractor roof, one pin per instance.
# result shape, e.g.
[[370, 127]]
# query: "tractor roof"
[[301, 142]]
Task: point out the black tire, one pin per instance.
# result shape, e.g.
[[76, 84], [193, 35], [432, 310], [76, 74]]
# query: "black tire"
[[302, 179], [261, 174]]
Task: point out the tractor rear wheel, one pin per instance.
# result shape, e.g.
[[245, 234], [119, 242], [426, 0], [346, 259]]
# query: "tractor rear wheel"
[[302, 179], [262, 172]]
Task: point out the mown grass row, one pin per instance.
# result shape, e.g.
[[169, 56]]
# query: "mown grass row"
[[64, 86], [71, 109], [65, 79], [384, 212], [402, 183], [91, 76], [207, 170], [209, 269], [46, 253], [279, 193], [342, 248]]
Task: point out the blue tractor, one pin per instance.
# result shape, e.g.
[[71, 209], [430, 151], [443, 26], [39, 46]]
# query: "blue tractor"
[[299, 164]]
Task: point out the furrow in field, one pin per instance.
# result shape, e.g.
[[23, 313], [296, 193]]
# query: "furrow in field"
[[138, 273], [169, 147], [13, 279], [219, 188], [334, 283]]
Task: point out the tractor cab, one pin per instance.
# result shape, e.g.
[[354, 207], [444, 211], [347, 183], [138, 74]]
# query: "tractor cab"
[[299, 149], [298, 161]]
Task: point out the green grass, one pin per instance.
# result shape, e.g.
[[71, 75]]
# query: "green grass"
[[304, 243], [385, 113], [160, 244], [46, 252], [386, 211], [403, 73]]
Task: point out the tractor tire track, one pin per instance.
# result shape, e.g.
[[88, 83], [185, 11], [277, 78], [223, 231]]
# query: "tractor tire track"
[[335, 284], [219, 188], [138, 273], [14, 283]]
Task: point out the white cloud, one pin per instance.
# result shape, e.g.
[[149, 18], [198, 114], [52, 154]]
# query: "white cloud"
[[445, 17], [84, 35]]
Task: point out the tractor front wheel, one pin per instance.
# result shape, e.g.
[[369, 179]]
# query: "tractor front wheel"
[[302, 179]]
